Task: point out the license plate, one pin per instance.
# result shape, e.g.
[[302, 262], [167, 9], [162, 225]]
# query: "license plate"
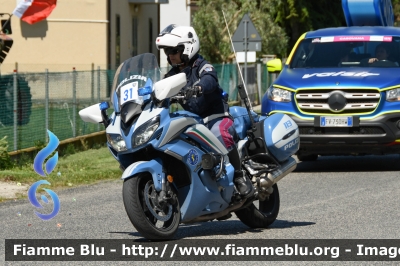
[[336, 121]]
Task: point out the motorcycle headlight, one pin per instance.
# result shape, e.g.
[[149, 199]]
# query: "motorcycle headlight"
[[279, 95], [145, 131], [393, 95], [117, 142]]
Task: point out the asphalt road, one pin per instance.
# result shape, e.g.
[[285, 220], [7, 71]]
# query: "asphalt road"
[[331, 198]]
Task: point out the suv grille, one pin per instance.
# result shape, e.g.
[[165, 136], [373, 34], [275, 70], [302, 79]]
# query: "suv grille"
[[338, 101], [348, 131]]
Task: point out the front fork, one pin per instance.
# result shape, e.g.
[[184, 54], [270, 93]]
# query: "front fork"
[[166, 193], [155, 168]]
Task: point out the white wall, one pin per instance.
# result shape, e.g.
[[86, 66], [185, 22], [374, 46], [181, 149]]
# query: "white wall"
[[176, 12], [74, 35]]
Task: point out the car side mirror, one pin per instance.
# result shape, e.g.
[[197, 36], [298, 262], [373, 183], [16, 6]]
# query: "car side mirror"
[[274, 65]]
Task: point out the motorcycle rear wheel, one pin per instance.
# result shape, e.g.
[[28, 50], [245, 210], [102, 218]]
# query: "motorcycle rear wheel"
[[151, 220], [266, 213]]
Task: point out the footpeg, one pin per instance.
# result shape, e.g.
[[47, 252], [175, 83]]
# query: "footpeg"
[[257, 166]]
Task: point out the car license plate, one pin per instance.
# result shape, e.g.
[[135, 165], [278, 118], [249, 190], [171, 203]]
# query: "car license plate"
[[336, 121]]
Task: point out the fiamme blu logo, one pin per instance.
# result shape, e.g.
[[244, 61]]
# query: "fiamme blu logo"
[[49, 166]]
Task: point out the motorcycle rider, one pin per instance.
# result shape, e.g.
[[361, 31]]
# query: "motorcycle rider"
[[203, 95]]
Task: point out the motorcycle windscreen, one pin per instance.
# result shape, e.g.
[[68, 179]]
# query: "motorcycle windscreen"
[[133, 77]]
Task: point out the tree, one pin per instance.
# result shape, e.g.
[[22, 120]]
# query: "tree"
[[279, 22], [300, 16], [396, 11], [209, 24]]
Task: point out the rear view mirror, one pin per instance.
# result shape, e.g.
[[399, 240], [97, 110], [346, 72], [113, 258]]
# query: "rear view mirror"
[[274, 65], [170, 86], [91, 114]]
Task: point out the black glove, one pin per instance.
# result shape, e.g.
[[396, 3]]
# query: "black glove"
[[174, 100], [193, 92]]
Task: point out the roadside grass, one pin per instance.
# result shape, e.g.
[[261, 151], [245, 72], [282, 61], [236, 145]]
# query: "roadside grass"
[[81, 168]]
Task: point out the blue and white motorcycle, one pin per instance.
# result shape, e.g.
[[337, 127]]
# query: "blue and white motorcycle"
[[174, 169]]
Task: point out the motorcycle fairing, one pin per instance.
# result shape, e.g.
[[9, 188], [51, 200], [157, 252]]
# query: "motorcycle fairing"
[[154, 167], [204, 195], [148, 112], [181, 150], [203, 135], [207, 196], [115, 125], [175, 128]]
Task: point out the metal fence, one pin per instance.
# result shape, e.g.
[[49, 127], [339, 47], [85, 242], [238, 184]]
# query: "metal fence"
[[31, 103]]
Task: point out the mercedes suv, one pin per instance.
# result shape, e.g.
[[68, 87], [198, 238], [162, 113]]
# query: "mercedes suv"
[[341, 90]]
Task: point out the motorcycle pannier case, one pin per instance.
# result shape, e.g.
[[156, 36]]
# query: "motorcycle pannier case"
[[281, 134]]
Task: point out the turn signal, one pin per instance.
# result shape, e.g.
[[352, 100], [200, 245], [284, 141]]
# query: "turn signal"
[[170, 178]]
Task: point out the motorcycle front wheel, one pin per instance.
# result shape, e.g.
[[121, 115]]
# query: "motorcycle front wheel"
[[152, 219], [264, 215]]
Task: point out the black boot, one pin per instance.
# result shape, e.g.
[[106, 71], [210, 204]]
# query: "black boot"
[[243, 184]]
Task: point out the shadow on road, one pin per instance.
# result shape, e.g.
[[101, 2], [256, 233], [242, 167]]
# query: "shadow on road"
[[370, 163], [226, 228], [281, 224]]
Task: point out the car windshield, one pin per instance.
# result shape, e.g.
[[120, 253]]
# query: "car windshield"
[[132, 77], [347, 51]]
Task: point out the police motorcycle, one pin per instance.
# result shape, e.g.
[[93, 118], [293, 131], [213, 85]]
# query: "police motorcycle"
[[174, 169]]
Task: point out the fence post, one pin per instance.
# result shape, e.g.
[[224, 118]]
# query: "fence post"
[[92, 83], [15, 101], [98, 91], [46, 104], [259, 73], [73, 102]]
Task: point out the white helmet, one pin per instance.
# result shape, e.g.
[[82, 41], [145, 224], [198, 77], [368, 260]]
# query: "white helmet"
[[179, 36]]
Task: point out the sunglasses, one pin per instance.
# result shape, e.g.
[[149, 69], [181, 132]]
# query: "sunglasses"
[[172, 50]]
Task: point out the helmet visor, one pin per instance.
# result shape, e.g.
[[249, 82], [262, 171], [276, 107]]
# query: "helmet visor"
[[172, 50], [168, 29]]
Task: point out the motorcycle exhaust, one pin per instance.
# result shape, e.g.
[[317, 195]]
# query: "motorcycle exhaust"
[[268, 180]]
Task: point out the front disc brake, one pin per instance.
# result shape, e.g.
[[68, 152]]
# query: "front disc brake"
[[150, 199]]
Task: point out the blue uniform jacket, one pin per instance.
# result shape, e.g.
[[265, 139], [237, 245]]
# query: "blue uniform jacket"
[[211, 101]]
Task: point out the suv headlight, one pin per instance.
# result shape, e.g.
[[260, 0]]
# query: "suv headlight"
[[117, 142], [279, 95], [393, 95], [145, 131]]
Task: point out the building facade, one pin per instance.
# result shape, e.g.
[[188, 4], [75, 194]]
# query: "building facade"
[[90, 34]]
